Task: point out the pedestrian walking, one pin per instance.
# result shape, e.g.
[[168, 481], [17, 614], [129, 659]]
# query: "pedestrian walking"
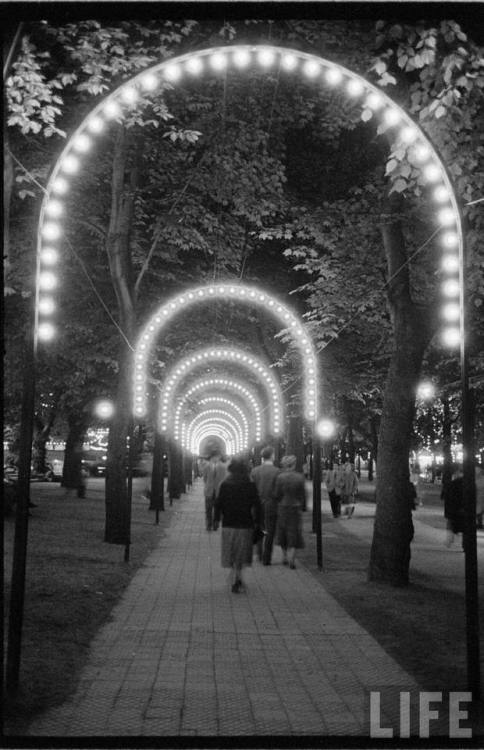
[[335, 482], [72, 473], [350, 489], [453, 497], [415, 479], [264, 478], [238, 507], [291, 495], [214, 472]]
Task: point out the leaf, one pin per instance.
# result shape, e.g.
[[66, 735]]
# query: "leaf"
[[366, 115]]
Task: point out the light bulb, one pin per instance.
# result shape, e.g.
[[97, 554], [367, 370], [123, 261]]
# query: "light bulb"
[[46, 306], [81, 143], [172, 72], [46, 331], [266, 57], [432, 172], [355, 87], [148, 81], [311, 68], [218, 61], [446, 216], [451, 312], [112, 109], [374, 100], [69, 164], [450, 239], [451, 336], [450, 288], [422, 152], [391, 116], [60, 185], [409, 134], [450, 263], [51, 231], [49, 256], [95, 124], [441, 194], [333, 76], [54, 208], [241, 58]]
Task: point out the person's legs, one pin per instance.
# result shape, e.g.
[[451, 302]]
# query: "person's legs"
[[270, 529], [237, 573], [291, 554], [335, 503], [209, 512]]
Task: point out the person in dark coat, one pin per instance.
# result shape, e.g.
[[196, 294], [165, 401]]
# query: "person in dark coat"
[[291, 495], [238, 506], [453, 497], [264, 477]]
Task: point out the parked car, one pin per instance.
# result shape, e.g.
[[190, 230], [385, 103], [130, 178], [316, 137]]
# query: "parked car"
[[94, 464]]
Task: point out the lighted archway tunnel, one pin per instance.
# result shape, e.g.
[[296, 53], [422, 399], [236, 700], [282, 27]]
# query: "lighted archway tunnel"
[[217, 386], [413, 142], [233, 356], [180, 422], [219, 418]]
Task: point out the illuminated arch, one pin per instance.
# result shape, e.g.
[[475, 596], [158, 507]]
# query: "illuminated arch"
[[180, 424], [227, 354], [412, 138], [235, 386], [220, 417], [207, 433], [211, 426]]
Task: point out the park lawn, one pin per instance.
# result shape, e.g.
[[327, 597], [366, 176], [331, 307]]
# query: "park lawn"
[[73, 580]]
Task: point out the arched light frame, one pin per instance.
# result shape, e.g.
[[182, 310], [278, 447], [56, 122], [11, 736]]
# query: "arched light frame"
[[179, 423], [208, 432], [234, 386], [210, 426], [220, 417], [230, 355], [267, 57]]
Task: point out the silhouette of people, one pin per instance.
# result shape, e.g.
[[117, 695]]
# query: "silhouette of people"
[[214, 472], [291, 495], [334, 484], [350, 489], [239, 507], [264, 478], [453, 497]]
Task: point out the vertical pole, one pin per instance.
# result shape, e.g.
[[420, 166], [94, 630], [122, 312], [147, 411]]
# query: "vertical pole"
[[317, 498], [17, 596], [129, 489], [469, 493]]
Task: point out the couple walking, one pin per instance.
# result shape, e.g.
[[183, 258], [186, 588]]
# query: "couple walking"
[[267, 499], [342, 486]]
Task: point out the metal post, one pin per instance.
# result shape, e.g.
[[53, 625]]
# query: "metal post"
[[17, 596], [129, 489], [317, 499], [470, 541]]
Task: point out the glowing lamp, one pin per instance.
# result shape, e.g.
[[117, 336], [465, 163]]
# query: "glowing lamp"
[[426, 390], [241, 58], [451, 337], [450, 263], [69, 164], [408, 134], [450, 239], [325, 428], [60, 185], [49, 256], [355, 87], [312, 68], [450, 288], [266, 57], [112, 109], [218, 61], [51, 231], [47, 281], [446, 217], [46, 306], [374, 100], [54, 208], [81, 143], [172, 72], [46, 331], [104, 409], [451, 312], [95, 124], [441, 194], [432, 172], [149, 81], [391, 116], [333, 76]]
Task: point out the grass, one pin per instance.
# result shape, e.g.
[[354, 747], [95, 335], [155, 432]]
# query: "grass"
[[73, 580]]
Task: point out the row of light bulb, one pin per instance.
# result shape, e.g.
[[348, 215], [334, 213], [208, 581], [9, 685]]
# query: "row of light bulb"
[[210, 400], [219, 417], [230, 355], [241, 57], [211, 427], [227, 291], [209, 433], [238, 388]]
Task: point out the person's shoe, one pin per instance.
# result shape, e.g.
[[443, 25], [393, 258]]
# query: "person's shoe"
[[292, 565], [266, 562], [285, 562], [236, 587], [350, 512]]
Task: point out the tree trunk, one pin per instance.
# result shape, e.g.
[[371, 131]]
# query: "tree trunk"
[[157, 500], [41, 436], [393, 528], [118, 250], [295, 441], [72, 470]]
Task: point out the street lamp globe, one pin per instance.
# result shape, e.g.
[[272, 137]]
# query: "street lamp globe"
[[426, 390], [104, 409], [325, 428]]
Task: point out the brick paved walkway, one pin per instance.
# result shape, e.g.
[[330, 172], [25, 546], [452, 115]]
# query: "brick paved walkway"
[[183, 656]]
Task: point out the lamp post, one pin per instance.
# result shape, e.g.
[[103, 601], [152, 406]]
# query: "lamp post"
[[324, 429]]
